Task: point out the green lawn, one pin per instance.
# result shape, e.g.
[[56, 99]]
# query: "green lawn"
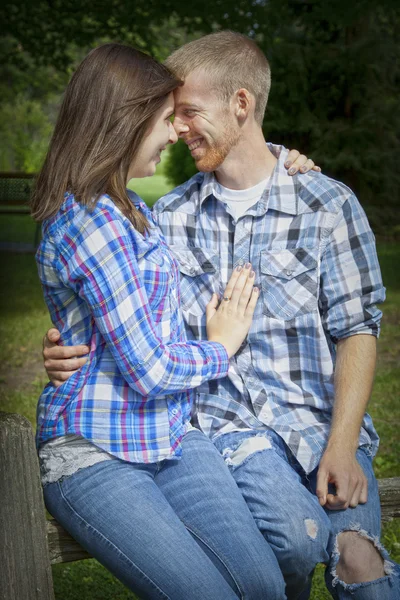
[[24, 319]]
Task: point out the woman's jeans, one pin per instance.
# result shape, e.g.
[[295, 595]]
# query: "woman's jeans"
[[301, 533], [177, 529]]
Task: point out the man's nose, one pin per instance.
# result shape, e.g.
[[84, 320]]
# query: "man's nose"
[[180, 127]]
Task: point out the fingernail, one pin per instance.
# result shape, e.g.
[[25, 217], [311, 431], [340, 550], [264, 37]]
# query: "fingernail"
[[247, 265], [292, 171], [287, 164], [252, 274], [302, 169], [239, 268]]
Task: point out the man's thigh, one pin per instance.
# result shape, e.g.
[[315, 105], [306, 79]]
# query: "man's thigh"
[[286, 512]]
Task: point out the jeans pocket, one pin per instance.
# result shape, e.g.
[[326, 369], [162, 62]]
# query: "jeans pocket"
[[289, 282]]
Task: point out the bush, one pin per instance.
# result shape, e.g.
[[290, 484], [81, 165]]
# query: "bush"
[[179, 165]]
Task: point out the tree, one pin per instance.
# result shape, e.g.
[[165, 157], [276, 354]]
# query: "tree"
[[335, 69]]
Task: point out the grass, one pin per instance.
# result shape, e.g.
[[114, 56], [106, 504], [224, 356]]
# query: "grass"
[[24, 320]]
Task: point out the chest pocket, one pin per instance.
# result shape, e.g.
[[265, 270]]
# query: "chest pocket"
[[199, 270], [289, 280]]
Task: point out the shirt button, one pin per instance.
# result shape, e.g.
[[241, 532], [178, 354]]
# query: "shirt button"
[[174, 411], [192, 271], [289, 272]]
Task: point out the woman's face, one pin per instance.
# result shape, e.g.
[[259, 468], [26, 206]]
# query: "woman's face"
[[161, 133]]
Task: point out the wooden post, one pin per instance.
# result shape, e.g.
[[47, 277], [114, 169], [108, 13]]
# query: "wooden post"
[[25, 571]]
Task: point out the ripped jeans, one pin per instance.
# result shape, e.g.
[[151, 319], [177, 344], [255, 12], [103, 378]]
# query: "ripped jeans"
[[300, 532]]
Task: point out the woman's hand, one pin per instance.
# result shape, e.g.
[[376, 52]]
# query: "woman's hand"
[[229, 323], [299, 162]]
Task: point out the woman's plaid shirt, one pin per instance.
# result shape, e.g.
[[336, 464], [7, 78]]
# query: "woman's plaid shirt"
[[117, 291], [314, 255]]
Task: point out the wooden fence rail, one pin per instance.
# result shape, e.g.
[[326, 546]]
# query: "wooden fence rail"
[[30, 544]]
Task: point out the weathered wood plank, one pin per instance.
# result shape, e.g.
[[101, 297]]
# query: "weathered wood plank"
[[389, 493], [25, 571], [62, 547]]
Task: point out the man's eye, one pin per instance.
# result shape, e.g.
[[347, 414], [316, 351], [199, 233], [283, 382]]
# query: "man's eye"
[[190, 113]]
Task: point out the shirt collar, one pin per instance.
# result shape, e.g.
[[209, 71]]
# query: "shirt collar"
[[280, 193], [137, 200]]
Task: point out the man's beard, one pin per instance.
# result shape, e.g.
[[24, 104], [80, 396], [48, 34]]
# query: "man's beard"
[[217, 152]]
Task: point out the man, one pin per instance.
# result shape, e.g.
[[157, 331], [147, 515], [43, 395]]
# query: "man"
[[290, 418]]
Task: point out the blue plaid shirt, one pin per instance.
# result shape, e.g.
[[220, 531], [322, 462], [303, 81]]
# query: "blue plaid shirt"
[[314, 255], [117, 291]]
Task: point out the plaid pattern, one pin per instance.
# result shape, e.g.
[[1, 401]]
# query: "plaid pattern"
[[314, 255], [109, 287]]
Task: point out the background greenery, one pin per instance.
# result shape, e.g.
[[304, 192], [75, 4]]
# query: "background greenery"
[[335, 77], [335, 73]]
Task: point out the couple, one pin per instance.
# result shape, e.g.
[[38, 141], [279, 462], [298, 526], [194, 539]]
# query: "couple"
[[120, 461]]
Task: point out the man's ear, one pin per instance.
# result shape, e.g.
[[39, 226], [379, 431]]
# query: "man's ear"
[[244, 104]]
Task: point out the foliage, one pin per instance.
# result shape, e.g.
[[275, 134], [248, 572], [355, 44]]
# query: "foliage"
[[179, 164], [25, 130], [334, 64]]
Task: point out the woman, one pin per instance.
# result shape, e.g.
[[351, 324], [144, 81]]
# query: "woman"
[[122, 469]]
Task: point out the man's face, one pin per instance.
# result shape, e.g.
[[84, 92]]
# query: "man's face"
[[205, 122]]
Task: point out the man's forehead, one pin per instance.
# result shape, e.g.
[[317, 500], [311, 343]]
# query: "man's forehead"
[[195, 89]]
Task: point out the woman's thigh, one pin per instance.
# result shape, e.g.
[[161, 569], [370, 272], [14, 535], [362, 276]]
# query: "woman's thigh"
[[206, 498], [117, 512]]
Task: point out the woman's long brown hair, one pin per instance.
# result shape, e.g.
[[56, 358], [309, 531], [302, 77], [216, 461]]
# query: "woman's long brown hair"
[[103, 119]]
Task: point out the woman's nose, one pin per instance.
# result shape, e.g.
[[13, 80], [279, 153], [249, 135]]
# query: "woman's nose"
[[173, 136]]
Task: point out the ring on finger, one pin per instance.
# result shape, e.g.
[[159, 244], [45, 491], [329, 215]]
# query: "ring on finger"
[[226, 298]]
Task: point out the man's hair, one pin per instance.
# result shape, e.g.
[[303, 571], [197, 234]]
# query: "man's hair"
[[105, 114], [232, 61]]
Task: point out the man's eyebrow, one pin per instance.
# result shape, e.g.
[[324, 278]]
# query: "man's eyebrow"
[[187, 105]]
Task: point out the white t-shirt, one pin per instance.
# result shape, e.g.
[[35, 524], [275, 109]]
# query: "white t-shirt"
[[238, 201]]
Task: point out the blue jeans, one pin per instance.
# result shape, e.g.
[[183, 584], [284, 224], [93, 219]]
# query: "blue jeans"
[[301, 533], [178, 529]]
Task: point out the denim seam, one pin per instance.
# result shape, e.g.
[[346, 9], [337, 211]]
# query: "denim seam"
[[119, 552], [195, 534]]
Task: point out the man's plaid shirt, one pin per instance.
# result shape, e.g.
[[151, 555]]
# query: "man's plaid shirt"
[[108, 286], [314, 255]]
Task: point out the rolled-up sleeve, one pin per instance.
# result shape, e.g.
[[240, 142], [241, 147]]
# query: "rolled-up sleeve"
[[350, 277], [97, 259]]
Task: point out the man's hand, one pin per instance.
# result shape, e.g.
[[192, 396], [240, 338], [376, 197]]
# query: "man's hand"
[[61, 362], [341, 468], [298, 162]]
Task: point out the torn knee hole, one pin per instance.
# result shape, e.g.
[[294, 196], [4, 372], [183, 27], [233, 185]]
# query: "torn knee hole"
[[360, 557]]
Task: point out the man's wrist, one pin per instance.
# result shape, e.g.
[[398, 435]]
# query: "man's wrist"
[[342, 445]]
